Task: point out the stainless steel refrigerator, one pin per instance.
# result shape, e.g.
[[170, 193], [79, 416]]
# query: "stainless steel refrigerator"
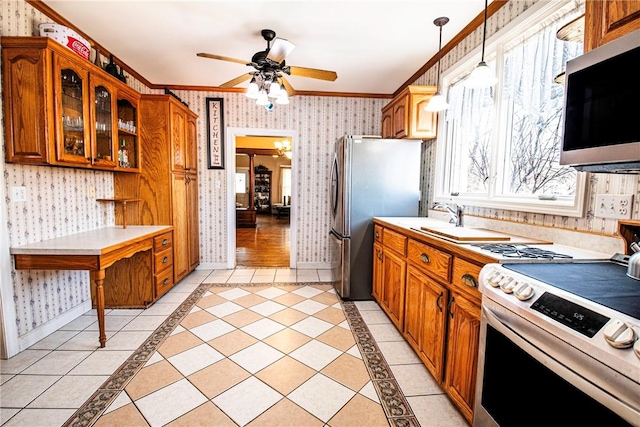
[[370, 177]]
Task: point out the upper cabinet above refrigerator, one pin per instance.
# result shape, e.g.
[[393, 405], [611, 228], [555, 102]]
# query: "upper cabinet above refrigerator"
[[405, 116]]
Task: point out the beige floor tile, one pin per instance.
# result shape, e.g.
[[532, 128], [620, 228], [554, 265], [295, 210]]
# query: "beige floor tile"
[[144, 323], [287, 340], [178, 343], [256, 289], [160, 309], [217, 289], [338, 337], [250, 300], [374, 317], [435, 411], [126, 340], [247, 400], [205, 415], [40, 417], [80, 323], [321, 396], [57, 362], [232, 342], [198, 318], [325, 298], [194, 359], [7, 413], [385, 332], [211, 300], [70, 391], [53, 341], [112, 323], [398, 353], [101, 363], [4, 378], [285, 413], [415, 380], [331, 315], [289, 299], [285, 375], [20, 390], [152, 378], [85, 340], [128, 416], [360, 411], [323, 288], [256, 357], [288, 287], [22, 361], [367, 306], [218, 378], [348, 371], [163, 406], [242, 318], [315, 354], [263, 328], [121, 400]]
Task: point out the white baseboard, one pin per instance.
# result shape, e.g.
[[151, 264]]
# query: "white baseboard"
[[316, 265], [212, 266], [32, 337]]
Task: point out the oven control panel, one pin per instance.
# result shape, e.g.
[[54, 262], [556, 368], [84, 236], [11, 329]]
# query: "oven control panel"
[[574, 316]]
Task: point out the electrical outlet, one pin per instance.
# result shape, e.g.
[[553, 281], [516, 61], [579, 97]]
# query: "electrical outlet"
[[617, 206], [92, 192], [19, 194]]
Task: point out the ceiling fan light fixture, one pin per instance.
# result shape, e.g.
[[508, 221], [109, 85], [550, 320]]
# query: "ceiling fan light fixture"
[[274, 89], [253, 89], [482, 76], [283, 98], [262, 98]]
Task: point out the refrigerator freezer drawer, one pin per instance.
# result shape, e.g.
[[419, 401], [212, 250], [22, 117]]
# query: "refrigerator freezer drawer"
[[340, 264]]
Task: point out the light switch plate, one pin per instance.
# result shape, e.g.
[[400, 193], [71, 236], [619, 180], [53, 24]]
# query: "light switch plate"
[[616, 206], [19, 193]]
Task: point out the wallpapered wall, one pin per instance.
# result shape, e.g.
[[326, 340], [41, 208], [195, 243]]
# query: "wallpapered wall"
[[58, 202]]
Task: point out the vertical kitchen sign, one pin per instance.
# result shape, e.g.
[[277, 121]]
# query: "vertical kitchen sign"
[[215, 135]]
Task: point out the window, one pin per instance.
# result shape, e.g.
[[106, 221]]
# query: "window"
[[500, 146], [241, 182], [286, 183]]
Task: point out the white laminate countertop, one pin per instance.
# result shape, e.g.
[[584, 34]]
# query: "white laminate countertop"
[[93, 242], [577, 254]]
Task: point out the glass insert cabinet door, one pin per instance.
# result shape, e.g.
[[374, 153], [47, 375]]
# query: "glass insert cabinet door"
[[103, 104], [128, 156], [71, 80]]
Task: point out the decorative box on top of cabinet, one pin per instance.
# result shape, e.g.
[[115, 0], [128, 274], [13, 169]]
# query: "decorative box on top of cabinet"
[[405, 116], [65, 111]]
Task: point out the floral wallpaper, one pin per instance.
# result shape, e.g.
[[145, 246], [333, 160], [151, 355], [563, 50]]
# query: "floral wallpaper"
[[58, 202]]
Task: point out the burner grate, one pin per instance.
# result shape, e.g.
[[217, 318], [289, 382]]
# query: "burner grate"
[[520, 251]]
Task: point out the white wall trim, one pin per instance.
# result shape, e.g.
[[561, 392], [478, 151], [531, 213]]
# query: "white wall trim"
[[230, 137], [9, 343], [212, 266], [35, 335], [314, 265]]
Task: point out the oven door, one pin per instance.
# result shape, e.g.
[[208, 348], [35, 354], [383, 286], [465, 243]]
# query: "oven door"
[[526, 376]]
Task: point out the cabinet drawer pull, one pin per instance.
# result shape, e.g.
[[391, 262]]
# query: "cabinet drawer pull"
[[165, 281], [425, 258], [469, 280], [165, 259], [377, 234], [438, 301], [449, 307], [165, 241]]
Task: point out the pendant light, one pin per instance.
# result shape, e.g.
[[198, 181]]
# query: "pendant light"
[[482, 76], [438, 102]]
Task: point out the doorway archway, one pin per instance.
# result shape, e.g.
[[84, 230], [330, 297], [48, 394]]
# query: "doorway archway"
[[230, 160]]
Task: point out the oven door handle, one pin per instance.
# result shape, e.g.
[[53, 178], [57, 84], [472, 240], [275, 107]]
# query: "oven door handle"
[[626, 408]]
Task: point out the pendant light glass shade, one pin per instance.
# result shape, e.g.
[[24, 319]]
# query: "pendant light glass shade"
[[482, 76], [438, 102]]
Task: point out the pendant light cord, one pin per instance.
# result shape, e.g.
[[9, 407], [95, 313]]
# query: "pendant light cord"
[[439, 56], [484, 29]]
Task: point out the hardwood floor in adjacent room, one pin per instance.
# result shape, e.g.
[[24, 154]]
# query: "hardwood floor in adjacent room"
[[267, 245]]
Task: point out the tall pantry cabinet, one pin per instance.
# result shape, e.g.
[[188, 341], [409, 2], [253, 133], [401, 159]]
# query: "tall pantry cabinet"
[[167, 186]]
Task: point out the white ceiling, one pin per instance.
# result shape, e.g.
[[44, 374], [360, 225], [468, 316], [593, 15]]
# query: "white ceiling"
[[374, 46]]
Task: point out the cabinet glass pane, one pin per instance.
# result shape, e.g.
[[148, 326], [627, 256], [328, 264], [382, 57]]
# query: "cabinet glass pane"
[[72, 113], [127, 134], [104, 120]]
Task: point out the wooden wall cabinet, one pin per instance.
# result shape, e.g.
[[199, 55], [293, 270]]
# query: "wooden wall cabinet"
[[405, 116], [62, 110], [167, 185], [262, 189], [431, 296], [606, 20]]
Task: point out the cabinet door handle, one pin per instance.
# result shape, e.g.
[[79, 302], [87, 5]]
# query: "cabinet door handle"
[[469, 280], [165, 259], [165, 281], [449, 307], [377, 234], [438, 301], [425, 258], [165, 242]]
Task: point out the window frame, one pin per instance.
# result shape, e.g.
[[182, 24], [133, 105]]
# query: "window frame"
[[494, 199]]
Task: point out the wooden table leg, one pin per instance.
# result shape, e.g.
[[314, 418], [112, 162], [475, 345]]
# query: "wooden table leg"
[[98, 278]]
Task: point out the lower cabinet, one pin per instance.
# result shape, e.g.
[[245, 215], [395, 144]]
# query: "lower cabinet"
[[431, 296]]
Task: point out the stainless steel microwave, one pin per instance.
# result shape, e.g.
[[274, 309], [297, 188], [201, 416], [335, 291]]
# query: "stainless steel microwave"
[[601, 131]]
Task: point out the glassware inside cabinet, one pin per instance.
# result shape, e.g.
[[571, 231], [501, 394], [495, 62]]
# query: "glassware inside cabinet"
[[104, 124], [72, 113], [127, 134]]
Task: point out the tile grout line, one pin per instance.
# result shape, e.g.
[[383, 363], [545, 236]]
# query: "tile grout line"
[[394, 403]]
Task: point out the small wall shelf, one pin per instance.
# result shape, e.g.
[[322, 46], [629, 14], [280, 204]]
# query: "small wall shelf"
[[124, 207]]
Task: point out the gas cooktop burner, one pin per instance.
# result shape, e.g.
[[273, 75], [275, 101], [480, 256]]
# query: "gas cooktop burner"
[[520, 251]]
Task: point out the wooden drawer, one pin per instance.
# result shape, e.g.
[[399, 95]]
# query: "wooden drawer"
[[377, 233], [465, 277], [163, 282], [162, 242], [431, 260], [163, 260], [395, 241]]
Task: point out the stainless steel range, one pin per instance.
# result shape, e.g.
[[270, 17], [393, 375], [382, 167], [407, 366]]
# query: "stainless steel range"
[[559, 345]]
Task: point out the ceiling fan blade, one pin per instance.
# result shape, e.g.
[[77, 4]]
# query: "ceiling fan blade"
[[280, 49], [237, 80], [313, 73], [290, 90], [222, 58]]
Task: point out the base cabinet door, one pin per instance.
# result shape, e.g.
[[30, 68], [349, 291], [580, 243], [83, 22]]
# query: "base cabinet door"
[[193, 221], [394, 269], [462, 353], [180, 227]]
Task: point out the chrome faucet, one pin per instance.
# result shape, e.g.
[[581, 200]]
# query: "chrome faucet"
[[455, 214]]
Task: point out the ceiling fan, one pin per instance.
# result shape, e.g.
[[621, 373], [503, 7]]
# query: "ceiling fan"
[[270, 65]]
